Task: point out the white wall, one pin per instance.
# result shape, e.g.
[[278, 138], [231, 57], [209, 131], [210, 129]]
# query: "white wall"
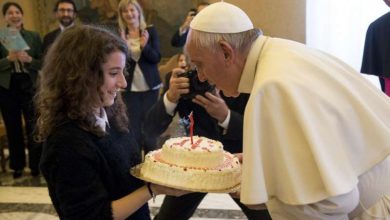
[[339, 27]]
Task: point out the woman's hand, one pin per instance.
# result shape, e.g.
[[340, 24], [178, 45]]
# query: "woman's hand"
[[144, 38], [159, 189], [12, 56], [123, 35], [24, 57]]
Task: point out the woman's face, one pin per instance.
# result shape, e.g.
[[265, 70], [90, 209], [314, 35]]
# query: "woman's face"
[[130, 15], [114, 78], [14, 17]]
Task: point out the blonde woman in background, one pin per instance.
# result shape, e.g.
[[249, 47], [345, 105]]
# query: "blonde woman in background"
[[143, 80]]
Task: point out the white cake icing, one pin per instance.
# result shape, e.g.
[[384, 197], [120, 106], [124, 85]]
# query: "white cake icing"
[[203, 153], [205, 167]]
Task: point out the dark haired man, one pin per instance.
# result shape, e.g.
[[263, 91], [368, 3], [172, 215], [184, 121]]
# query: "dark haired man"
[[216, 116], [65, 11]]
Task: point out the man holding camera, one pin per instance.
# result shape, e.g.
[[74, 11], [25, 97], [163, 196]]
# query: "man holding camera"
[[216, 117], [179, 38]]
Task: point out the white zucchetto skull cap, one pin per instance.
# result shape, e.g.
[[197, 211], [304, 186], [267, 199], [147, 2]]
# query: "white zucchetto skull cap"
[[222, 18]]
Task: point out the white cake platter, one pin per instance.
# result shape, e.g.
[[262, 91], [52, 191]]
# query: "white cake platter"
[[136, 172]]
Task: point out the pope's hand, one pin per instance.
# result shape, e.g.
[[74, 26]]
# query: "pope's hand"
[[235, 195], [239, 156]]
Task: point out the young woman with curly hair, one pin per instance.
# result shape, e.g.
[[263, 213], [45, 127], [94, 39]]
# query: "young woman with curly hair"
[[88, 148]]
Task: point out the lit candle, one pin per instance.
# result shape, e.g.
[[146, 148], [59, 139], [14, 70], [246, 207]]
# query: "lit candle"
[[191, 126]]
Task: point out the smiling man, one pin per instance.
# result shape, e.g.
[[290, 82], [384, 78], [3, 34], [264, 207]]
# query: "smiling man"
[[65, 11], [316, 136]]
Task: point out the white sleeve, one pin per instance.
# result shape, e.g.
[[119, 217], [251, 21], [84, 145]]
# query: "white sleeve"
[[169, 106]]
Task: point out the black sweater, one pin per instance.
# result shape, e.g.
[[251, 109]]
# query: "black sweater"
[[86, 173]]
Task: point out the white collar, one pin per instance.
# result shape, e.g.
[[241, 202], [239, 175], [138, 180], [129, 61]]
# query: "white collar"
[[248, 74], [62, 27], [102, 120]]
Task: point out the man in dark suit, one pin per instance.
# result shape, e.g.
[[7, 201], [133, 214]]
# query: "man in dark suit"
[[65, 11], [216, 117]]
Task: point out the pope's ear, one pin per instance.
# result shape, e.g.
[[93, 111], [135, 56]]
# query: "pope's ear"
[[227, 50]]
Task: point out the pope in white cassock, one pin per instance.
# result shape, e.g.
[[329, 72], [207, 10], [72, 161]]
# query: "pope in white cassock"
[[316, 134]]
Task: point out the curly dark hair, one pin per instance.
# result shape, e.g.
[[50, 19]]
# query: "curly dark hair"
[[70, 81]]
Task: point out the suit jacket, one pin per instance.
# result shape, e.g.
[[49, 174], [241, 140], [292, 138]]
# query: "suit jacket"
[[376, 56], [33, 40], [157, 121], [49, 39], [179, 40], [148, 62]]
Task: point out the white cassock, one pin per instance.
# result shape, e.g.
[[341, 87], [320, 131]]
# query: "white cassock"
[[312, 126]]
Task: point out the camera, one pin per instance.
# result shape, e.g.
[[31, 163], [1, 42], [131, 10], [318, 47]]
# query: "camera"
[[196, 86]]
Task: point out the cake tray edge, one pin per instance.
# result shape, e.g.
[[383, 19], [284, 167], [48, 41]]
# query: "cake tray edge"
[[136, 172]]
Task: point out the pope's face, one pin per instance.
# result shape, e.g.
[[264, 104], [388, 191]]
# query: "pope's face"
[[212, 67]]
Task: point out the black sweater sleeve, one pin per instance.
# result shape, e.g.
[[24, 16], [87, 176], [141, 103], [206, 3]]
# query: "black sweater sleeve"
[[71, 169]]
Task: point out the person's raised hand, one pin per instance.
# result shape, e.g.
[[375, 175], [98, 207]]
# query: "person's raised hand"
[[177, 85], [144, 38], [123, 35], [186, 24]]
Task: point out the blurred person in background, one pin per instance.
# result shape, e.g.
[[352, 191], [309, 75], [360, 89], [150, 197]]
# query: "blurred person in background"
[[180, 36], [66, 13], [143, 79], [18, 73]]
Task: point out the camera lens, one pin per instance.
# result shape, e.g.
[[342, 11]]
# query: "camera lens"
[[196, 86]]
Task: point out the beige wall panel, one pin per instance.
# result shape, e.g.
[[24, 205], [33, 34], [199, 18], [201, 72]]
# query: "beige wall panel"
[[276, 18]]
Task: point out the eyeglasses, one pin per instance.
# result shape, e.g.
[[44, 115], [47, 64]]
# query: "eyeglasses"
[[63, 10]]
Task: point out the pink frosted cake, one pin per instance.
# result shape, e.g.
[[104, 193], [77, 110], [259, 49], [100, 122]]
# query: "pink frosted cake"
[[201, 166]]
